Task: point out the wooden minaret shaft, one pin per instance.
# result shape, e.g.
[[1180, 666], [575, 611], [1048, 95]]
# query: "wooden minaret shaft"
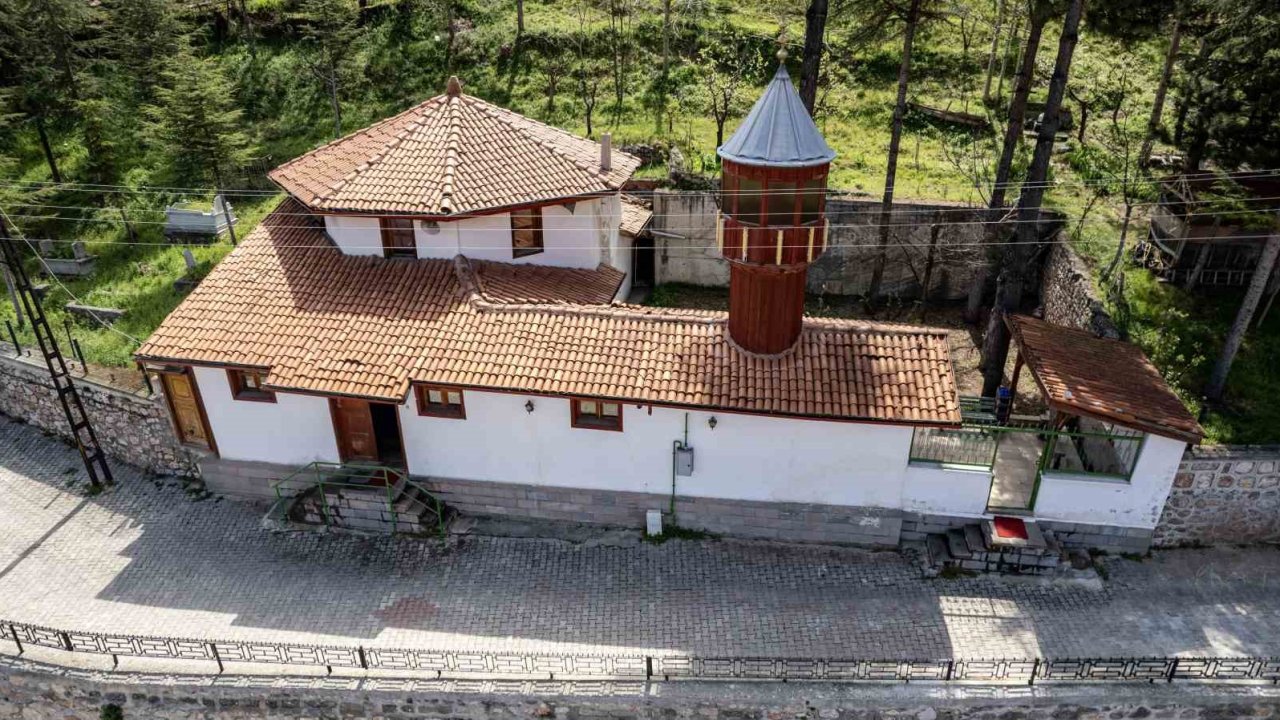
[[95, 461]]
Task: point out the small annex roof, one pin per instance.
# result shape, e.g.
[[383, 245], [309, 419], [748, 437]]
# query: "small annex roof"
[[450, 155], [636, 215], [506, 283], [332, 324], [1112, 380], [778, 131]]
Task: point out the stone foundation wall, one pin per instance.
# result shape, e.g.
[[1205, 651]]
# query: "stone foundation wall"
[[916, 526], [132, 427], [800, 522], [1224, 494]]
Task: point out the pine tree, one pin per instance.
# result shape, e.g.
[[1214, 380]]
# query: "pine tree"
[[142, 35], [331, 28], [194, 123]]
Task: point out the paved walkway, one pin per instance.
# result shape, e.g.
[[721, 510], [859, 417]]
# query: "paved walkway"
[[145, 558]]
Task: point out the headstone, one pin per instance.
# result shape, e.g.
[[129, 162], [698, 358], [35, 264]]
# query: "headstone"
[[77, 249], [189, 258], [47, 247]]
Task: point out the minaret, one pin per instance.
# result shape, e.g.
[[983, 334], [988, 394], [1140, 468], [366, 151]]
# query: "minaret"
[[772, 224]]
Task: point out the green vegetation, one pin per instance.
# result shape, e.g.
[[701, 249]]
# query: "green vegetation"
[[140, 94]]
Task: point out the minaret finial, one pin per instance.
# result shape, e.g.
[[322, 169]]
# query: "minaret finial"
[[782, 45]]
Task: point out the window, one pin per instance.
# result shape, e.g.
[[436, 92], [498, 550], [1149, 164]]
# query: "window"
[[748, 201], [248, 385], [812, 196], [526, 232], [597, 415], [781, 202], [437, 401], [397, 238]]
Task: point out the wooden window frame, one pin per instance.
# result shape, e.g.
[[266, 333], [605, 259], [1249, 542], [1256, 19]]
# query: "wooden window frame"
[[538, 233], [440, 410], [395, 251], [598, 420], [242, 393]]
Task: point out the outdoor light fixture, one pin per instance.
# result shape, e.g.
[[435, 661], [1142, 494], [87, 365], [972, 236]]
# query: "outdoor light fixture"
[[712, 422], [431, 227], [528, 406]]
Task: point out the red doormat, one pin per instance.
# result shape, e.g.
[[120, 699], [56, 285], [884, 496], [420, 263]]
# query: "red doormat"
[[1010, 528]]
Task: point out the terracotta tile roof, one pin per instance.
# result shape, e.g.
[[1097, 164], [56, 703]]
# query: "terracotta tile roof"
[[452, 154], [1112, 380], [636, 215], [328, 323], [508, 283]]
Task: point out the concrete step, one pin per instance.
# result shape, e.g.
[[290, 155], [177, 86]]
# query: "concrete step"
[[973, 538], [957, 546], [936, 546]]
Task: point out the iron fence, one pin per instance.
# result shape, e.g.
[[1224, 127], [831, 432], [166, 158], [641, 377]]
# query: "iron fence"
[[650, 668]]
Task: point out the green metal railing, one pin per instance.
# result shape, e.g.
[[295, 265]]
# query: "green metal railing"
[[969, 447], [356, 484]]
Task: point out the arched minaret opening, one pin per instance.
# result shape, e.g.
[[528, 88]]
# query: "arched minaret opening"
[[773, 215]]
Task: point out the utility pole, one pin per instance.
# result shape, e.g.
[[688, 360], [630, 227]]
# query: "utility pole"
[[95, 461]]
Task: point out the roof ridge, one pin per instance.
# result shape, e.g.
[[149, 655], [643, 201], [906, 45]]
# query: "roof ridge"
[[453, 136]]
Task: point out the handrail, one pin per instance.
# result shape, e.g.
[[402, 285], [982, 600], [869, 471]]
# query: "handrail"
[[322, 475]]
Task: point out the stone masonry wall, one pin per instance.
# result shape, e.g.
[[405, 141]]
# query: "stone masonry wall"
[[32, 691], [845, 268], [132, 427], [1067, 293], [1223, 494]]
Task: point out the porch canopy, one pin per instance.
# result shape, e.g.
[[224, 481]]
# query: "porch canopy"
[[1109, 380]]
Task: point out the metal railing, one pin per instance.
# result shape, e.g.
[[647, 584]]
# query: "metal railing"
[[355, 496], [968, 447], [648, 668]]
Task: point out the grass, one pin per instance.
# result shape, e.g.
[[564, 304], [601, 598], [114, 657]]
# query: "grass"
[[675, 532]]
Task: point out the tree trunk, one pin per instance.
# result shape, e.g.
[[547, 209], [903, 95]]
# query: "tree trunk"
[[333, 101], [1261, 275], [665, 75], [895, 140], [934, 230], [519, 17], [1004, 59], [815, 25], [47, 147], [1162, 88], [1084, 120], [1202, 259], [1040, 13], [995, 346], [248, 28], [1124, 234], [991, 56]]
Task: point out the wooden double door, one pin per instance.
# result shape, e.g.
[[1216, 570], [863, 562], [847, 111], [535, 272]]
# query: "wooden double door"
[[367, 431], [184, 405]]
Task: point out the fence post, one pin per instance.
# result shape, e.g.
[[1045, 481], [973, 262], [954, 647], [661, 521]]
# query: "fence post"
[[1035, 670], [13, 631], [363, 663], [213, 648], [951, 666], [1173, 669], [66, 641], [13, 337]]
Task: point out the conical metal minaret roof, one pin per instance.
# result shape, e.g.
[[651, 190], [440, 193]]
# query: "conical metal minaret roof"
[[778, 131]]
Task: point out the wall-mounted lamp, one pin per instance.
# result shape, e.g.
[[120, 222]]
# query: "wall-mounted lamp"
[[571, 207], [711, 423], [528, 406], [431, 227]]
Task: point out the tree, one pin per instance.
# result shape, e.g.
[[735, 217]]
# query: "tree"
[[331, 28], [1162, 88], [1040, 12], [142, 36], [911, 19], [1235, 337], [195, 123], [815, 25], [991, 56], [724, 65], [1012, 279]]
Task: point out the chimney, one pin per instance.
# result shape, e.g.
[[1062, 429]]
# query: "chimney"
[[606, 152]]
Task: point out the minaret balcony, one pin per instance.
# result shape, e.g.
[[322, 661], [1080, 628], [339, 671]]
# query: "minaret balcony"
[[771, 244]]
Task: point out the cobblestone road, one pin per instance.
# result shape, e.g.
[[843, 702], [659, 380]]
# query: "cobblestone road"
[[145, 558]]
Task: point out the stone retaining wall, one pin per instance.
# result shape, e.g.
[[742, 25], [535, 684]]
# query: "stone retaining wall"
[[1223, 494], [34, 691], [132, 427], [1067, 293]]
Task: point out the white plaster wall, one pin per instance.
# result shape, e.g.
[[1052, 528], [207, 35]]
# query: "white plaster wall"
[[944, 491], [1137, 503], [745, 457], [294, 430], [354, 234]]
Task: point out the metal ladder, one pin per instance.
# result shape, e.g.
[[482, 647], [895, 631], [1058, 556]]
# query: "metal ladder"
[[95, 461]]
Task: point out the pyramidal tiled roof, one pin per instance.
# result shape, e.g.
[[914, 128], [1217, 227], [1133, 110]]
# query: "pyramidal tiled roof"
[[451, 154], [323, 322], [778, 131]]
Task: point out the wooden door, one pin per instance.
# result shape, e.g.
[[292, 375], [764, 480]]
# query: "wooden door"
[[353, 425], [188, 416]]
